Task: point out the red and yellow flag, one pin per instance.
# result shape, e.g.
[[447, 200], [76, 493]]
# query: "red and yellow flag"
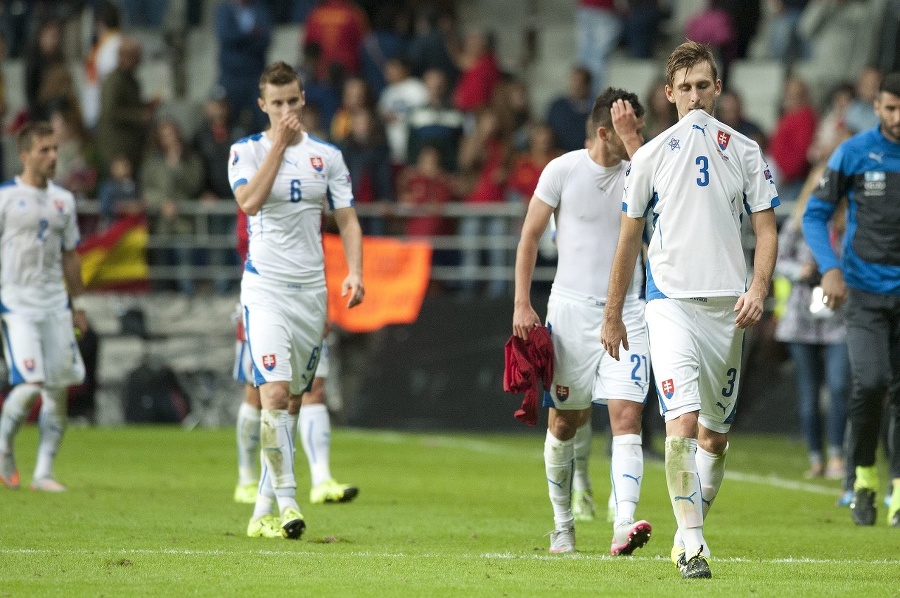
[[116, 258]]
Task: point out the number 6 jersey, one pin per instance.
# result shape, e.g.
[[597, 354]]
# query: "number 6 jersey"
[[285, 235], [695, 181]]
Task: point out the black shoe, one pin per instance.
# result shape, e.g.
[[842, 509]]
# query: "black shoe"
[[895, 520], [696, 567], [862, 509]]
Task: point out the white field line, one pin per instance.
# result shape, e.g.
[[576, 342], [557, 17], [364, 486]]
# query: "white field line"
[[510, 556]]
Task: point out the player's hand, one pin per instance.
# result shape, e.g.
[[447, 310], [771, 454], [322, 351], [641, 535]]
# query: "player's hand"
[[613, 335], [834, 289], [353, 287], [624, 120], [288, 129], [79, 321], [525, 319], [749, 308]]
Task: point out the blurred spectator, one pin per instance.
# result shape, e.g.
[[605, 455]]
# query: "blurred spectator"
[[434, 44], [170, 176], [355, 97], [144, 13], [745, 17], [15, 25], [426, 184], [888, 54], [338, 26], [76, 163], [43, 55], [730, 110], [118, 193], [817, 341], [437, 123], [368, 160], [480, 72], [568, 114], [832, 127], [785, 43], [320, 93], [244, 31], [2, 118], [313, 122], [402, 94], [513, 107], [101, 61], [792, 137], [715, 28], [123, 115], [641, 26], [861, 111], [212, 144], [527, 166], [661, 113], [484, 158], [598, 29], [385, 41]]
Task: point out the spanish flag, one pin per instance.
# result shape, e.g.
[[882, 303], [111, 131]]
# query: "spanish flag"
[[116, 259], [395, 276]]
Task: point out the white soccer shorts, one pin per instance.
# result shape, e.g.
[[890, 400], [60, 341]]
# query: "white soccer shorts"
[[696, 350], [583, 372], [284, 325], [243, 365], [42, 348]]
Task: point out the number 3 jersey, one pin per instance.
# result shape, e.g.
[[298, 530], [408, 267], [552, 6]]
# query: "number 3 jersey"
[[36, 226], [285, 235], [695, 181]]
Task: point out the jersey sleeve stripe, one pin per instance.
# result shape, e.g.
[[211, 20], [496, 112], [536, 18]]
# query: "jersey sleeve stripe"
[[238, 183]]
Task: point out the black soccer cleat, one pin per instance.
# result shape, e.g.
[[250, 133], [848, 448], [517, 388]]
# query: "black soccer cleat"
[[862, 509], [696, 567]]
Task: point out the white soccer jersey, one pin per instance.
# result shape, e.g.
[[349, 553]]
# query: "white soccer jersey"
[[587, 199], [285, 235], [697, 178], [36, 226]]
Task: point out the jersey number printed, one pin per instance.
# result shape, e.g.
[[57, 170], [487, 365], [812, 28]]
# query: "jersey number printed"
[[296, 195], [729, 390], [703, 163], [43, 225], [637, 360], [313, 359]]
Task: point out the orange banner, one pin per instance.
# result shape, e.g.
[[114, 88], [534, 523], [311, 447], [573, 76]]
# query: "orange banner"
[[395, 275]]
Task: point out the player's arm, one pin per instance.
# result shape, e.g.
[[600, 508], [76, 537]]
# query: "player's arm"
[[253, 194], [351, 236], [821, 207], [750, 305], [71, 266], [536, 220], [625, 123], [612, 333]]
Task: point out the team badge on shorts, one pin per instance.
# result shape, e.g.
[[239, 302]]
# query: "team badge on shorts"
[[722, 139], [668, 388], [317, 163], [29, 364], [60, 205], [269, 361], [562, 392]]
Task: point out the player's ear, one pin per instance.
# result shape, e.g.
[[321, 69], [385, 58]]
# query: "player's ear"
[[670, 94], [718, 87], [262, 104]]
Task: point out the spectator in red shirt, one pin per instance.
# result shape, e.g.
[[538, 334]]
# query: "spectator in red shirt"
[[480, 72], [792, 138], [427, 184], [338, 26]]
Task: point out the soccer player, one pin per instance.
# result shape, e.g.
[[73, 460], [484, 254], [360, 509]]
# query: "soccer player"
[[281, 179], [583, 191], [41, 293], [695, 180], [866, 169]]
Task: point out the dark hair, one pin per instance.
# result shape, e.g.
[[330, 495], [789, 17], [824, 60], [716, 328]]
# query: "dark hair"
[[108, 14], [600, 116], [279, 73], [688, 55], [891, 84], [31, 131]]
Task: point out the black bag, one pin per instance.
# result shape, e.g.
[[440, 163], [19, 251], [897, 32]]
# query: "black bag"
[[153, 395]]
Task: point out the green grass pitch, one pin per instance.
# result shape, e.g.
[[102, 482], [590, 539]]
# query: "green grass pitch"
[[149, 513]]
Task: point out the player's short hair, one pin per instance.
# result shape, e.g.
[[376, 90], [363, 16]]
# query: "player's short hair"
[[600, 116], [688, 55], [279, 73], [31, 131], [891, 84]]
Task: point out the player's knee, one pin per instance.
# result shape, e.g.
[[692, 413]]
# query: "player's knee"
[[274, 395]]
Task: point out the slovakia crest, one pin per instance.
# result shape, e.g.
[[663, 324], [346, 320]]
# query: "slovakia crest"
[[668, 388], [562, 392], [317, 163], [722, 139], [60, 205], [29, 364], [268, 361], [234, 157]]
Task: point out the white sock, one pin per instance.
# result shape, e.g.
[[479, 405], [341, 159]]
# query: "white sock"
[[581, 481], [627, 472], [684, 492], [559, 458], [52, 424], [711, 469], [15, 408], [276, 438], [247, 429], [265, 495], [315, 435]]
